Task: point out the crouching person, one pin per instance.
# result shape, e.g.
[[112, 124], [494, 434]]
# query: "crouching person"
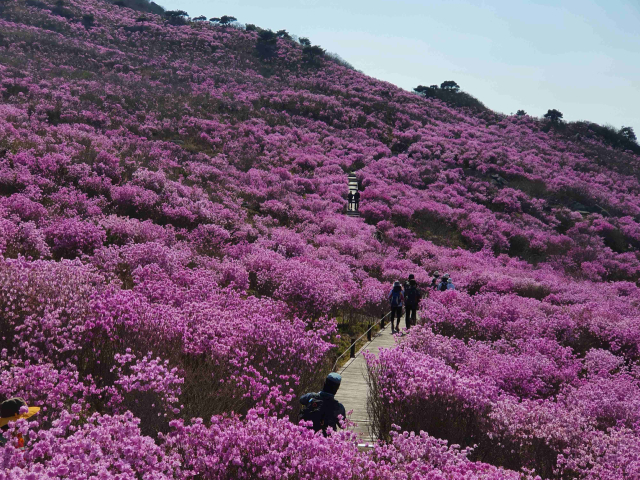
[[322, 408], [12, 410]]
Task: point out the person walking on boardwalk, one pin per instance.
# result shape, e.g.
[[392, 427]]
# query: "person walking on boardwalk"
[[396, 301], [412, 297], [321, 408], [350, 201], [406, 285], [356, 197]]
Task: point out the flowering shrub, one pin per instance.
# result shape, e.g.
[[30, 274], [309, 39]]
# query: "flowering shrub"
[[105, 447], [71, 237], [503, 375]]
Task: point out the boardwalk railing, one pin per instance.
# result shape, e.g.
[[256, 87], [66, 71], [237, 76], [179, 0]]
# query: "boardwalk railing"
[[352, 347]]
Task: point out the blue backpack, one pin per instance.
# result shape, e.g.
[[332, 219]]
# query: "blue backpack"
[[395, 298]]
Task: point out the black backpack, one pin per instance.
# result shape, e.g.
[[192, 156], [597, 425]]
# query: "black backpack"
[[443, 287], [317, 411], [412, 295]]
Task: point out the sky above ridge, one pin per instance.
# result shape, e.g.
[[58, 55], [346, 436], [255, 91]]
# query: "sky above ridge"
[[581, 57]]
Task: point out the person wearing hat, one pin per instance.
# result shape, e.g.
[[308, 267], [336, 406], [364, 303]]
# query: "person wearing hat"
[[396, 301], [443, 285], [435, 280], [450, 285], [406, 284], [10, 412], [412, 297], [322, 408]]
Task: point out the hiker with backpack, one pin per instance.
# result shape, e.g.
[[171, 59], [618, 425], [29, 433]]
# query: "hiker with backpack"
[[412, 297], [396, 301], [321, 408], [446, 283], [356, 197]]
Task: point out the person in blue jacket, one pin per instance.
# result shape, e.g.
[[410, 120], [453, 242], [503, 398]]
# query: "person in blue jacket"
[[446, 284], [396, 301]]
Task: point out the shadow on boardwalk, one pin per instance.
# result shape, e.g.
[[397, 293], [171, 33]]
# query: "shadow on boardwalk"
[[354, 389]]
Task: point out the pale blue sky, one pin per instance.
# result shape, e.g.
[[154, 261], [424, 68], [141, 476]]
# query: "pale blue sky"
[[581, 57]]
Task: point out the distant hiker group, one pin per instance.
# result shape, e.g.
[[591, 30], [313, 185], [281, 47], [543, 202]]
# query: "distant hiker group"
[[354, 201], [409, 296], [443, 283]]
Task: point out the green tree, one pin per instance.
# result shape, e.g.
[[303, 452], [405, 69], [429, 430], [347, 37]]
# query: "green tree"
[[201, 18], [176, 17], [449, 92], [305, 41], [223, 20], [426, 91], [283, 34], [176, 14], [450, 85], [267, 44], [312, 54], [628, 133], [554, 115], [521, 113]]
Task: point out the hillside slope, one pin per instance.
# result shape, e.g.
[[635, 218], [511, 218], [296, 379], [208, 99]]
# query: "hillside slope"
[[174, 245]]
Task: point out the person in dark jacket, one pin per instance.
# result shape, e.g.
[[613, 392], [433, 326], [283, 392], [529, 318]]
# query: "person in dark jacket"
[[436, 280], [396, 301], [443, 286], [412, 297], [322, 408], [406, 284], [350, 201], [356, 197]]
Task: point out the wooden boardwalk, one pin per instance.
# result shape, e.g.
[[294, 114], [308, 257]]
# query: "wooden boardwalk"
[[354, 389]]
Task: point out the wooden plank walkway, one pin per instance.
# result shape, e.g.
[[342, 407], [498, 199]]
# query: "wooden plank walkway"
[[354, 389]]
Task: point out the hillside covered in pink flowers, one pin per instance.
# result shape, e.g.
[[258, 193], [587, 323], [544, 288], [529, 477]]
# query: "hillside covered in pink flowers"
[[176, 265]]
